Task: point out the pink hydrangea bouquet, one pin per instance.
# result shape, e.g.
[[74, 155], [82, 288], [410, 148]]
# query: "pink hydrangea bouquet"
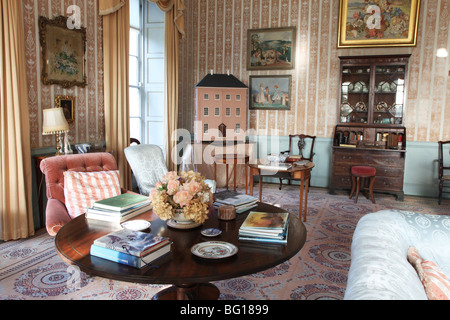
[[187, 191]]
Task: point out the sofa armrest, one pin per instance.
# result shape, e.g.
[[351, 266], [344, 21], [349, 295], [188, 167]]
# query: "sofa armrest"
[[56, 216], [379, 268]]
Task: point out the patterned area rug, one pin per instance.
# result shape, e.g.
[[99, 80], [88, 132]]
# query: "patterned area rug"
[[30, 269]]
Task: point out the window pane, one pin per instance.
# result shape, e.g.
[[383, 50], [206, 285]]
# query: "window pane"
[[134, 42], [135, 102], [135, 128], [134, 71], [135, 20]]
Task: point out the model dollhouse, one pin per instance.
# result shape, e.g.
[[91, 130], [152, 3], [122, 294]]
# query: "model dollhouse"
[[221, 103]]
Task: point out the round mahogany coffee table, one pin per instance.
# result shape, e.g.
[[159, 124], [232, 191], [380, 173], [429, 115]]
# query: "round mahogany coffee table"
[[190, 275]]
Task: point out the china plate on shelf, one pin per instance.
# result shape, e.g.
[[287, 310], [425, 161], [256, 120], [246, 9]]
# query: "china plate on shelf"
[[214, 249], [137, 225]]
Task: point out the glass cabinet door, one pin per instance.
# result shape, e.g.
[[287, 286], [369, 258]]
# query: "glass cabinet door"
[[355, 94], [389, 94]]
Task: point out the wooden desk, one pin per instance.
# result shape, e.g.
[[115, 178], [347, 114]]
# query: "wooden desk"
[[189, 274], [301, 173], [224, 159]]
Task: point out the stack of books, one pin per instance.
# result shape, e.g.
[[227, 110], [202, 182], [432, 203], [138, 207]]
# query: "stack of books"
[[133, 248], [275, 166], [242, 202], [265, 227], [119, 208]]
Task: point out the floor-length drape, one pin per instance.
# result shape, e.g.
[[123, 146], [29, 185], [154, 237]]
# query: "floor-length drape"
[[174, 31], [116, 28], [16, 216]]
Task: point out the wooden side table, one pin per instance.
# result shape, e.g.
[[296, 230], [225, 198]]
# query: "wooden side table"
[[237, 158], [300, 173]]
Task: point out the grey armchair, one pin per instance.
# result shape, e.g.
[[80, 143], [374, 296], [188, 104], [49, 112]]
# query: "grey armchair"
[[148, 165]]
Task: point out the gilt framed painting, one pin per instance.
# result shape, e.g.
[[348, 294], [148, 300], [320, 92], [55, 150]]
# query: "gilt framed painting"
[[382, 23], [270, 92], [67, 103], [63, 53], [271, 49]]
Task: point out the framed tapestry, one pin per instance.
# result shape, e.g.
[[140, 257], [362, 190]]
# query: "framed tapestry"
[[67, 103], [271, 49], [365, 23], [270, 92], [63, 53]]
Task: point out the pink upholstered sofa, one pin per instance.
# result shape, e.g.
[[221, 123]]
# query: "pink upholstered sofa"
[[53, 168]]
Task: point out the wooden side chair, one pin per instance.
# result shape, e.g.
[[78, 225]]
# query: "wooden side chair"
[[305, 146], [444, 167]]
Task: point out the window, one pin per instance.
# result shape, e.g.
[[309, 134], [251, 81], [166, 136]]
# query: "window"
[[238, 128], [206, 111], [217, 111], [135, 71], [228, 112], [228, 97], [217, 96], [147, 80], [205, 128], [238, 97], [238, 112], [206, 96]]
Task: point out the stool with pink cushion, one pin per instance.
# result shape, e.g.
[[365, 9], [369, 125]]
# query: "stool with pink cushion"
[[362, 173]]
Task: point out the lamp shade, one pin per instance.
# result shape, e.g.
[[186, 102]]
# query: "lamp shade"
[[54, 121]]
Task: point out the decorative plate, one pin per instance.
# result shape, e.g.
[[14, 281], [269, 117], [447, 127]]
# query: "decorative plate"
[[382, 106], [211, 232], [360, 106], [137, 225], [214, 249]]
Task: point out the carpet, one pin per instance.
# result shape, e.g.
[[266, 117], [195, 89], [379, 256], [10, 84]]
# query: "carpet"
[[30, 269]]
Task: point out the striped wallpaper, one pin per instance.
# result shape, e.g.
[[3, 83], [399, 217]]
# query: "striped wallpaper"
[[216, 38], [89, 105]]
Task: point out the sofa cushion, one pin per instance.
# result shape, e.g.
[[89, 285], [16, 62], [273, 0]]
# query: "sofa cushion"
[[82, 189], [436, 284]]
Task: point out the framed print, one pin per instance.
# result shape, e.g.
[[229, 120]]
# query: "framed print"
[[63, 53], [271, 49], [270, 92], [67, 103], [365, 23]]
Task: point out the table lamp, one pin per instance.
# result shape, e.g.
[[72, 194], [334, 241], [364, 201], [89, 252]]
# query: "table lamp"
[[55, 123]]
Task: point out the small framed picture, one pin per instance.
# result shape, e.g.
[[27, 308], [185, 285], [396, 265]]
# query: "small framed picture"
[[67, 103], [271, 49], [270, 92]]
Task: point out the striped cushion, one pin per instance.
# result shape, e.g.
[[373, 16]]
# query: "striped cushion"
[[82, 189], [436, 284]]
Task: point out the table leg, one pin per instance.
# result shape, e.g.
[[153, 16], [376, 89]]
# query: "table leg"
[[227, 175], [246, 178], [260, 188], [235, 169], [300, 212], [306, 200]]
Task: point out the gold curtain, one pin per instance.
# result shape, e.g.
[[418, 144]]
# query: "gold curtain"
[[174, 31], [16, 213], [116, 29]]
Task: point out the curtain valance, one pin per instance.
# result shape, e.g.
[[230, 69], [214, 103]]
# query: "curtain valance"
[[106, 7]]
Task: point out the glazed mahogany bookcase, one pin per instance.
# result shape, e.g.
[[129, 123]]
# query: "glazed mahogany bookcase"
[[370, 127]]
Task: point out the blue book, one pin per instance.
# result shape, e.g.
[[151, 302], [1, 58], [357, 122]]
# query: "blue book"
[[132, 242], [128, 259]]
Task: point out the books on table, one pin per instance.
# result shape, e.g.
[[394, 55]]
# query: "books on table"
[[265, 227], [130, 247], [242, 202], [119, 208], [121, 202], [275, 166]]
